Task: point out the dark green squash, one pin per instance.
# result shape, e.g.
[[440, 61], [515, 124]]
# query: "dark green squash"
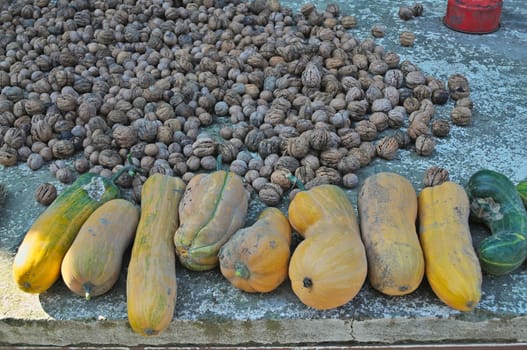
[[495, 202], [522, 190]]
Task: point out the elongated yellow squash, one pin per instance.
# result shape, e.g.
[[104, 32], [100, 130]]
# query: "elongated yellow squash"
[[387, 205], [151, 287], [452, 266], [92, 265]]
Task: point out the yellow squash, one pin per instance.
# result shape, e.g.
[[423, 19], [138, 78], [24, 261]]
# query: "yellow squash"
[[92, 264], [151, 287], [387, 205], [452, 266]]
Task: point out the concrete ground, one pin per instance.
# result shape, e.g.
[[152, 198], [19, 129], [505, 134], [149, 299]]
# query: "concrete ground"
[[210, 312]]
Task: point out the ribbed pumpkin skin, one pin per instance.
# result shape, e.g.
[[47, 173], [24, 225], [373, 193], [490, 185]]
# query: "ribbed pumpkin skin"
[[93, 263], [452, 266], [151, 287], [256, 258], [213, 207], [387, 205], [329, 267], [495, 202], [36, 266], [320, 203]]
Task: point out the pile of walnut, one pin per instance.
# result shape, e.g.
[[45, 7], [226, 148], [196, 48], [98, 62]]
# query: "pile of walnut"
[[175, 84]]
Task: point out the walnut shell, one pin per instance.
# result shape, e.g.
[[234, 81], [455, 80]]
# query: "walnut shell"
[[350, 180], [405, 13], [387, 147], [109, 158], [435, 176], [461, 116], [440, 127], [424, 145], [65, 175], [281, 177], [204, 146], [63, 149], [407, 38], [34, 161], [348, 22], [311, 76], [270, 194], [348, 164], [366, 130], [45, 193], [378, 30], [458, 86]]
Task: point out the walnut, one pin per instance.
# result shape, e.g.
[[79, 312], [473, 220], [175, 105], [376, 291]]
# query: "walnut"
[[348, 164], [461, 116], [440, 96], [63, 149], [378, 67], [349, 138], [369, 147], [362, 155], [15, 137], [424, 145], [65, 175], [81, 165], [350, 180], [411, 104], [305, 173], [228, 151], [422, 92], [270, 194], [330, 157], [414, 79], [34, 161], [378, 30], [46, 193], [317, 181], [318, 139], [287, 162], [109, 158], [465, 102], [405, 13], [417, 9], [357, 109], [238, 166], [416, 129], [204, 146], [380, 120], [331, 174], [348, 22], [381, 105], [311, 76], [311, 161], [440, 127], [387, 147], [396, 117], [420, 116], [253, 139], [435, 176], [281, 177], [366, 129], [407, 38], [458, 86], [403, 139]]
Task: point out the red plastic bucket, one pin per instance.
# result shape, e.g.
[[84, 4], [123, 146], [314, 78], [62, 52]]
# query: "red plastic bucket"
[[473, 16]]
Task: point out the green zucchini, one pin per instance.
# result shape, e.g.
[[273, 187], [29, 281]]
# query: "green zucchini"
[[495, 202], [36, 266]]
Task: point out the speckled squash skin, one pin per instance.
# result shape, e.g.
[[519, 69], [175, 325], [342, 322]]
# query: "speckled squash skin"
[[93, 263], [213, 207], [329, 267], [256, 258], [151, 286], [36, 266], [452, 266], [387, 205]]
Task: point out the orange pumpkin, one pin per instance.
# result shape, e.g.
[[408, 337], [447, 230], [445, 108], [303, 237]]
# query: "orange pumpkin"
[[328, 268], [256, 258]]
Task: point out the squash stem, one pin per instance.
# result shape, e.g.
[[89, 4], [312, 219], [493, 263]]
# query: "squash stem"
[[307, 282], [241, 270], [87, 290], [296, 182], [121, 171]]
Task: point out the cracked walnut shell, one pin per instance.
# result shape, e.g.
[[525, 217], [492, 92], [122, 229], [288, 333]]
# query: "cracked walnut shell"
[[407, 38], [387, 147], [435, 176], [46, 193], [425, 145]]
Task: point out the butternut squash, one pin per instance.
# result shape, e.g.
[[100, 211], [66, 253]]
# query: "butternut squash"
[[151, 287], [329, 267], [387, 205], [93, 263], [452, 266], [256, 258]]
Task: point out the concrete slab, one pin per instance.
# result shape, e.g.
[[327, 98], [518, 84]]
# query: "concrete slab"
[[210, 312]]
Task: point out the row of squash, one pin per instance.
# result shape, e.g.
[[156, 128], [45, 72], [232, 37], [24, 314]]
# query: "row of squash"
[[83, 235]]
